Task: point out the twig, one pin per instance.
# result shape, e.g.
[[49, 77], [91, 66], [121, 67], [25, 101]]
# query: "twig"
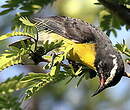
[[121, 10], [61, 63], [36, 41]]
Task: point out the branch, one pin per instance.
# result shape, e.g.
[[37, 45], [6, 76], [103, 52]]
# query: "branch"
[[61, 63], [122, 11]]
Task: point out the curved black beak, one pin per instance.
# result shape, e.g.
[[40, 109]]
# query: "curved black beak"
[[101, 86], [100, 89]]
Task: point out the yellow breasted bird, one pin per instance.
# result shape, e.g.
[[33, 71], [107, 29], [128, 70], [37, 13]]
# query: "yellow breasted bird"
[[90, 45]]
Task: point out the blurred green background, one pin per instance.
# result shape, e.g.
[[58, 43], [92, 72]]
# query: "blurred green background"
[[69, 97]]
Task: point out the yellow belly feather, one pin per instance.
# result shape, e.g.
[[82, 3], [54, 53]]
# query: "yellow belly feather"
[[84, 53]]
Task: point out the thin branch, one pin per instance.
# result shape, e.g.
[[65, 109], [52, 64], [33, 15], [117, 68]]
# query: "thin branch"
[[36, 41], [121, 10], [61, 63]]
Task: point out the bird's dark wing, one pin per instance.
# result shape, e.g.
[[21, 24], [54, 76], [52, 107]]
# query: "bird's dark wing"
[[74, 29]]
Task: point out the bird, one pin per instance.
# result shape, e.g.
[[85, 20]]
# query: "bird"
[[91, 46]]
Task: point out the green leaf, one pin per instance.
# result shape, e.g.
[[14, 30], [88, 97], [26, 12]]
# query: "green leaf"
[[118, 46], [25, 21], [11, 83], [8, 5], [52, 45], [6, 61], [69, 80], [53, 70], [14, 55], [124, 42], [81, 78], [5, 36], [114, 32], [116, 22], [110, 22], [6, 11], [72, 69], [34, 76], [78, 71], [37, 81], [27, 13], [105, 18], [7, 88], [123, 48], [127, 27]]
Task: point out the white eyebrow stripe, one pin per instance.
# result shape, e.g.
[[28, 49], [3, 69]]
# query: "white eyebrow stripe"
[[113, 71]]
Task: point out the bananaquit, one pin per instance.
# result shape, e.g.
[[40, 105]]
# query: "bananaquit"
[[91, 47]]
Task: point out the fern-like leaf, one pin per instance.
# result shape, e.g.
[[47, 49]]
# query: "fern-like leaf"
[[14, 56], [7, 60], [26, 21], [5, 36]]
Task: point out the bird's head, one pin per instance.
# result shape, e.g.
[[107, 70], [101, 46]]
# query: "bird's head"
[[110, 72]]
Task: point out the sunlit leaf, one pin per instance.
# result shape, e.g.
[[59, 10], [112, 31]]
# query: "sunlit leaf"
[[25, 21], [5, 36], [6, 61]]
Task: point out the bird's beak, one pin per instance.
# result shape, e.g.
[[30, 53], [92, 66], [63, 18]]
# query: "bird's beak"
[[101, 86]]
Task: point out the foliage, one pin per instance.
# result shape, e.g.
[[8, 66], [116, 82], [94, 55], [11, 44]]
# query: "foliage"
[[32, 52], [14, 55], [123, 2], [124, 49], [111, 16], [109, 22], [25, 7], [7, 100]]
